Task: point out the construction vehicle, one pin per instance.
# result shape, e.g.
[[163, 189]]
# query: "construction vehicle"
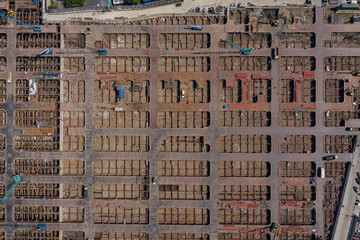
[[275, 53], [41, 227], [356, 74], [35, 1], [330, 157], [197, 28], [244, 51], [274, 23], [43, 52], [17, 180], [308, 2], [11, 13], [274, 227], [36, 28]]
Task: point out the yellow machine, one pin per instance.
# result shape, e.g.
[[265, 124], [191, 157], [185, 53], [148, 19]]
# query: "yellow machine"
[[11, 13]]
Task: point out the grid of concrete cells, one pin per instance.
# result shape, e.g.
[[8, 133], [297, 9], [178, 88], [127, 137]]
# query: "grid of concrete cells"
[[174, 134]]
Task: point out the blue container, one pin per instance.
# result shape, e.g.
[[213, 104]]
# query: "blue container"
[[121, 91]]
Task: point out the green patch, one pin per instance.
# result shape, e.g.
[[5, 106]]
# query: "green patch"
[[73, 3]]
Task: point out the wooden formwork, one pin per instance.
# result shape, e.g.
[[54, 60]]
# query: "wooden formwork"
[[338, 118], [297, 193], [294, 63], [30, 118], [114, 143], [116, 215], [244, 119], [339, 143], [298, 144], [244, 236], [124, 41], [120, 167], [184, 40], [2, 118], [184, 64], [121, 191], [244, 169], [230, 93], [121, 236], [2, 90], [256, 40], [297, 169], [236, 63], [297, 119], [22, 90], [186, 119], [334, 90], [194, 144], [184, 168], [3, 40], [184, 192], [122, 64], [238, 216], [183, 216], [347, 63], [297, 216], [182, 236], [39, 64], [245, 143], [297, 40], [36, 143], [37, 40], [244, 192]]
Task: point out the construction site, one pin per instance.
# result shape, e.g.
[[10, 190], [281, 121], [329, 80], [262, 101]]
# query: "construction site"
[[176, 127]]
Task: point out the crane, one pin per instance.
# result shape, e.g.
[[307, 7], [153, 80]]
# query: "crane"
[[36, 28], [17, 180], [244, 51]]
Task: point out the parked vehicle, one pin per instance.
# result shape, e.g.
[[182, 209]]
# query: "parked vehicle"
[[357, 181], [356, 189], [330, 157]]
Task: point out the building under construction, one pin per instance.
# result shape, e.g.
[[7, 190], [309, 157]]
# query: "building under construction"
[[146, 129]]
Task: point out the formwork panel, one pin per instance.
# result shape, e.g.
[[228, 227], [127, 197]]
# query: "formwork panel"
[[237, 216], [29, 16], [173, 119], [297, 193], [297, 40], [121, 191], [2, 142], [293, 63], [35, 118], [38, 64], [22, 90], [230, 92], [2, 118], [287, 90], [236, 63], [193, 144], [36, 143], [169, 91], [184, 168], [183, 236], [308, 90], [244, 119], [119, 167], [124, 41], [258, 88], [296, 236], [184, 40], [37, 40], [115, 215], [247, 40], [297, 119], [3, 40], [343, 40], [244, 169], [347, 63], [244, 236], [179, 20], [184, 64], [122, 64], [244, 192], [298, 144], [48, 235], [297, 216], [183, 216], [339, 143], [2, 90], [49, 167], [334, 90], [338, 118], [121, 236], [2, 166], [3, 64], [49, 214], [121, 119], [297, 169], [135, 92], [117, 143], [245, 144], [48, 191], [48, 90], [184, 192]]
